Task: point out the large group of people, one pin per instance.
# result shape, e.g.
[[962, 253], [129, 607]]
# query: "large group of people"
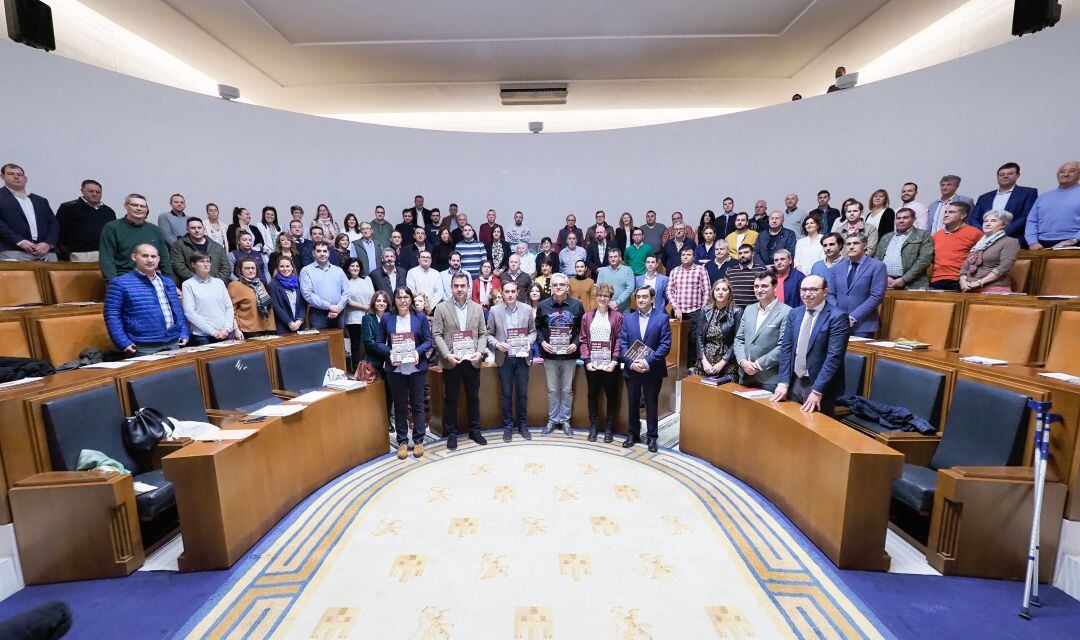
[[770, 297]]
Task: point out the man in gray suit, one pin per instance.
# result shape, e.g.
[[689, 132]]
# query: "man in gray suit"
[[460, 336], [512, 355], [906, 252], [757, 342]]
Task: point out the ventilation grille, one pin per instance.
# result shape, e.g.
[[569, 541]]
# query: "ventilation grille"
[[123, 547], [533, 94], [949, 529]]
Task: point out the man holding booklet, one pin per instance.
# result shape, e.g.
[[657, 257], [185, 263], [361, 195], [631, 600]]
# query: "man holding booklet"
[[460, 336], [558, 322], [512, 330], [644, 342]]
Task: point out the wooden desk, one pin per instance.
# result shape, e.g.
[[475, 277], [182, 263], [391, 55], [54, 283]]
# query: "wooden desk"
[[537, 409], [832, 482], [229, 494], [680, 344]]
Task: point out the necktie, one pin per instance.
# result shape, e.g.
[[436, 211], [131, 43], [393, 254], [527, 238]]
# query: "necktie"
[[851, 273], [804, 343]]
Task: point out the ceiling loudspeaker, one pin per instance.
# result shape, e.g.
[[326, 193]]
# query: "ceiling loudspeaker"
[[1031, 16], [532, 94], [30, 22]]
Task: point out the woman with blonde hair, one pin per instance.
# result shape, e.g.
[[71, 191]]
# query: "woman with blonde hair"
[[325, 220], [880, 216]]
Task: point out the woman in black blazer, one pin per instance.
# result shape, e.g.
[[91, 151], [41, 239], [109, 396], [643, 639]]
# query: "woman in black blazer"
[[624, 231], [288, 314], [498, 251], [241, 219], [879, 214]]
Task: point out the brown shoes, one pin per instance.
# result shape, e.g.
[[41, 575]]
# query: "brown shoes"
[[418, 449], [403, 450]]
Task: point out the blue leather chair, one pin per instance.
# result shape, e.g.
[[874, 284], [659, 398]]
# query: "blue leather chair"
[[240, 383], [92, 420], [985, 427], [854, 373], [174, 392], [303, 366], [903, 385]]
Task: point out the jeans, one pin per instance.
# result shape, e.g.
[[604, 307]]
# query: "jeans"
[[22, 256], [318, 319], [149, 348], [638, 385], [514, 377], [608, 382], [465, 373], [408, 393], [560, 388]]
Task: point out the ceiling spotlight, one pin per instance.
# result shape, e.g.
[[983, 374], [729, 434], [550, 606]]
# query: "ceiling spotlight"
[[536, 127], [228, 93]]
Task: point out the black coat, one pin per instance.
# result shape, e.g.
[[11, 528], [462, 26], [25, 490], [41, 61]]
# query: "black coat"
[[283, 314], [382, 282]]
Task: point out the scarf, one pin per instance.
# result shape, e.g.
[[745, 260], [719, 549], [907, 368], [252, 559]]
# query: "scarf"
[[290, 283], [497, 253], [262, 298], [976, 255]]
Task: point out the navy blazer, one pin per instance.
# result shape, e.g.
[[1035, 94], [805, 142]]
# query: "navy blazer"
[[791, 288], [657, 337], [1020, 202], [13, 225], [381, 281], [861, 300], [421, 330], [283, 315], [825, 355]]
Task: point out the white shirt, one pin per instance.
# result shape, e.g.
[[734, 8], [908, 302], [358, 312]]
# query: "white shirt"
[[920, 214], [28, 211], [427, 282], [1001, 198], [808, 252], [643, 323], [762, 312], [360, 291]]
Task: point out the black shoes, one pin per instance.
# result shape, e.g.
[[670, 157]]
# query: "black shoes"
[[652, 445], [524, 431], [631, 440], [451, 441], [592, 431], [477, 437], [508, 435]]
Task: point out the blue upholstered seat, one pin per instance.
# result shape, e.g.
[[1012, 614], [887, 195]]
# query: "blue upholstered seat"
[[854, 373], [985, 427], [240, 383], [174, 392], [903, 385], [302, 366], [152, 503]]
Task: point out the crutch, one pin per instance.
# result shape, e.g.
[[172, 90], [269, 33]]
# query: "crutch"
[[1043, 420]]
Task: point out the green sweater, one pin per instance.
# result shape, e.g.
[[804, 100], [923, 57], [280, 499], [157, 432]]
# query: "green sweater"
[[635, 257], [118, 241]]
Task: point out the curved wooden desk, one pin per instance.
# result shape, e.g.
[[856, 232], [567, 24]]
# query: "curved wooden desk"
[[832, 482]]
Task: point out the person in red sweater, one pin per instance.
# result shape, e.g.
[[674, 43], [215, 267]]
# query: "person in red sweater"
[[951, 246]]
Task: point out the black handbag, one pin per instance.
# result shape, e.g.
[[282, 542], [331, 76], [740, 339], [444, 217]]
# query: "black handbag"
[[145, 429]]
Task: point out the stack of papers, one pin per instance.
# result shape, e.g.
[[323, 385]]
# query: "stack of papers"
[[858, 339], [307, 332], [269, 337], [346, 385], [984, 361], [109, 365], [153, 356], [754, 393], [15, 383], [1064, 377], [882, 343], [279, 410], [223, 343], [312, 396]]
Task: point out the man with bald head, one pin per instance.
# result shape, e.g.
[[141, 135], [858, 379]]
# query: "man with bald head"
[[1054, 220], [774, 238], [793, 218], [760, 220]]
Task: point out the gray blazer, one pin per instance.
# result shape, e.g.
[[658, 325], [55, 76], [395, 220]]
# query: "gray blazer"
[[761, 346], [496, 324], [445, 323], [915, 256]]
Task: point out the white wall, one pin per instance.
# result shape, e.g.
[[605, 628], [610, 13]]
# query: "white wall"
[[64, 121]]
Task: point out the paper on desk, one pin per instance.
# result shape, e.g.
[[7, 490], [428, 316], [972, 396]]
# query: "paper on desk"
[[151, 357], [312, 396], [15, 383], [226, 434], [77, 304], [982, 360], [346, 385], [223, 343], [142, 487], [307, 332], [858, 339], [881, 343], [270, 337], [279, 410], [109, 365], [1062, 376], [753, 393]]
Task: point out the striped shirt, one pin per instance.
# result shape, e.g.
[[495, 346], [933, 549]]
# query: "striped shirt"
[[688, 289], [472, 254], [742, 282]]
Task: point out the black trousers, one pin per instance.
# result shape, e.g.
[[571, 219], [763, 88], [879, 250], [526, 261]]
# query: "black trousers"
[[408, 393], [605, 381], [946, 285], [693, 354], [356, 344], [639, 387], [514, 383], [463, 373], [802, 387]]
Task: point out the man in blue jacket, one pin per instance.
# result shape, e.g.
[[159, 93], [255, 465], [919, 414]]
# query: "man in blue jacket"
[[1010, 197], [142, 311], [644, 373], [812, 349], [857, 286]]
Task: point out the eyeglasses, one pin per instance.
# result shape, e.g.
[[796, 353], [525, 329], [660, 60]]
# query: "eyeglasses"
[[810, 289], [402, 297]]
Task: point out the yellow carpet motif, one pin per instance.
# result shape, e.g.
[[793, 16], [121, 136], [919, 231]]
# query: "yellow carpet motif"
[[545, 540]]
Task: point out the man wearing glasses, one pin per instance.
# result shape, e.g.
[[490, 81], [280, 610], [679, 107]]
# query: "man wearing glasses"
[[558, 322], [812, 349], [120, 237]]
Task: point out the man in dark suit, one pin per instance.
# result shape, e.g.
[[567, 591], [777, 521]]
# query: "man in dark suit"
[[419, 212], [671, 252], [857, 286], [812, 349], [774, 238], [1010, 197], [596, 253], [410, 253], [389, 276], [645, 374], [28, 228]]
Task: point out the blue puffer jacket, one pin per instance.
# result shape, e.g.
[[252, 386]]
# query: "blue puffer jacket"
[[133, 315]]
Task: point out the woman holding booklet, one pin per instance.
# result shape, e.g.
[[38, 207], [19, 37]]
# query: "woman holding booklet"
[[599, 345], [408, 334]]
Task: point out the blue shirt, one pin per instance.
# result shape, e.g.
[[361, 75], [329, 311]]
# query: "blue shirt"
[[623, 281], [323, 287], [1055, 216]]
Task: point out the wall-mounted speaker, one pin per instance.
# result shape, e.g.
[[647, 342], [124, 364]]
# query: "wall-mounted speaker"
[[1030, 16], [30, 22]]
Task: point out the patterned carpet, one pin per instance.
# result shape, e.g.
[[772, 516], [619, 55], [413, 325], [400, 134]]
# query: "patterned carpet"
[[548, 539]]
